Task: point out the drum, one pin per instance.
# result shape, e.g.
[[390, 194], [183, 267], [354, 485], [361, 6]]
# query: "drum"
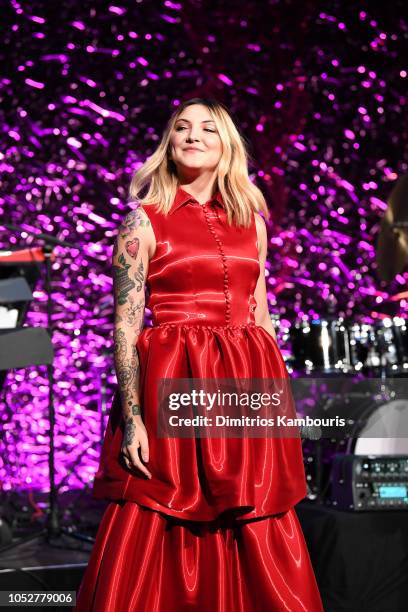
[[363, 346], [321, 345], [385, 431], [380, 346], [376, 425], [339, 346]]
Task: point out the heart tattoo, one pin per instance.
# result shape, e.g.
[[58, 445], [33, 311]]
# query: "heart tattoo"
[[132, 247]]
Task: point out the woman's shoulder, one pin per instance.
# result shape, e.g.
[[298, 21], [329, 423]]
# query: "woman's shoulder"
[[260, 227], [146, 210], [136, 227], [136, 217], [259, 223]]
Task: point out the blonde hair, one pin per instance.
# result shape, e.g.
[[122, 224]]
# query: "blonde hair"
[[239, 194]]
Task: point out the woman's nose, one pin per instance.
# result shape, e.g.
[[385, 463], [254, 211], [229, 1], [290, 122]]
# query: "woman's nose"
[[192, 136]]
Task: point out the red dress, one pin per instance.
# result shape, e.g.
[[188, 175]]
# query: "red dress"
[[214, 528]]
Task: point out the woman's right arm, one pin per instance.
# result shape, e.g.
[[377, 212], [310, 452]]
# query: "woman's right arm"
[[130, 261]]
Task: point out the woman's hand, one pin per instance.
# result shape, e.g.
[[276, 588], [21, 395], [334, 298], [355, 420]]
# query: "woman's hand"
[[135, 436]]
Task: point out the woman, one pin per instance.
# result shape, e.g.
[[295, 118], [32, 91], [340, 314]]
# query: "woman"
[[195, 523]]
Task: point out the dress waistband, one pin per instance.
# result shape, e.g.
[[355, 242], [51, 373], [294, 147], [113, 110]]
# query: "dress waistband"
[[201, 325]]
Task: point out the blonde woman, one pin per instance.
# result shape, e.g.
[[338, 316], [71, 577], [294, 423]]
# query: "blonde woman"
[[195, 522]]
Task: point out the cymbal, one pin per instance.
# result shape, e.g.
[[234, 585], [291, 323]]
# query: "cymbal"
[[392, 242]]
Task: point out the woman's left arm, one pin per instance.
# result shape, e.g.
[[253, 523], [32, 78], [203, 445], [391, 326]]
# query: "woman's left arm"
[[262, 317]]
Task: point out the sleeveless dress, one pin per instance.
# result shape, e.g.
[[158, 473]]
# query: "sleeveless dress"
[[214, 528]]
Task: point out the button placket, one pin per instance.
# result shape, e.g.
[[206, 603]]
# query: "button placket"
[[224, 264]]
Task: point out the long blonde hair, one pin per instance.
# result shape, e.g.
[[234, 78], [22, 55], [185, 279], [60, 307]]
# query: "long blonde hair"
[[239, 194]]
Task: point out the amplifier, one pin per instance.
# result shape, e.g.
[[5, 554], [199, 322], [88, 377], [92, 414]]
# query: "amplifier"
[[369, 482]]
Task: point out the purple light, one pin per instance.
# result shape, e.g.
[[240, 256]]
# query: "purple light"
[[225, 79], [36, 84], [118, 10]]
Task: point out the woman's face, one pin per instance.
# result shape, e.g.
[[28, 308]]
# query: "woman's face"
[[195, 128]]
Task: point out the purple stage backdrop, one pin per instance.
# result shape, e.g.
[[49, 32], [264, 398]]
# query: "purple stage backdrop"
[[318, 88]]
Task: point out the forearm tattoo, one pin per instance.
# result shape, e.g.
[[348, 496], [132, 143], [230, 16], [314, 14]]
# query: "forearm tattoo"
[[129, 279], [129, 432], [127, 369]]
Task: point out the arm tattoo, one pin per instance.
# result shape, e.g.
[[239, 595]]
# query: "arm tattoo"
[[120, 343], [129, 432], [132, 221], [133, 312], [132, 247], [139, 276], [127, 369], [129, 278], [136, 409], [123, 282]]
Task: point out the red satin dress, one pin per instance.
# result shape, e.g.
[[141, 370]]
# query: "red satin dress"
[[214, 529]]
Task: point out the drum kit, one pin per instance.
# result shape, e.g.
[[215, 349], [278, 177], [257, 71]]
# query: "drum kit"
[[332, 347]]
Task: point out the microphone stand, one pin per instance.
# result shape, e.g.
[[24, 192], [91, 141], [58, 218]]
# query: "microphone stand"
[[53, 529]]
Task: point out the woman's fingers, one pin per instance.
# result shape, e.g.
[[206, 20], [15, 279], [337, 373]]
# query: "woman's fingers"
[[144, 447], [134, 455], [130, 447], [138, 464]]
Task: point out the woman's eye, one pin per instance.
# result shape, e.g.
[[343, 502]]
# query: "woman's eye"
[[182, 127]]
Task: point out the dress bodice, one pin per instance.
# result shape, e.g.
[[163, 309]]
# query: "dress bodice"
[[204, 271]]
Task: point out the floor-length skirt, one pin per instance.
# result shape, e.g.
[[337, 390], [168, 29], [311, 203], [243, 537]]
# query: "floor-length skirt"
[[144, 560]]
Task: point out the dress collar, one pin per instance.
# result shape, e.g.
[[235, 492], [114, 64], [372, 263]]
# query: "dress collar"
[[183, 197]]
